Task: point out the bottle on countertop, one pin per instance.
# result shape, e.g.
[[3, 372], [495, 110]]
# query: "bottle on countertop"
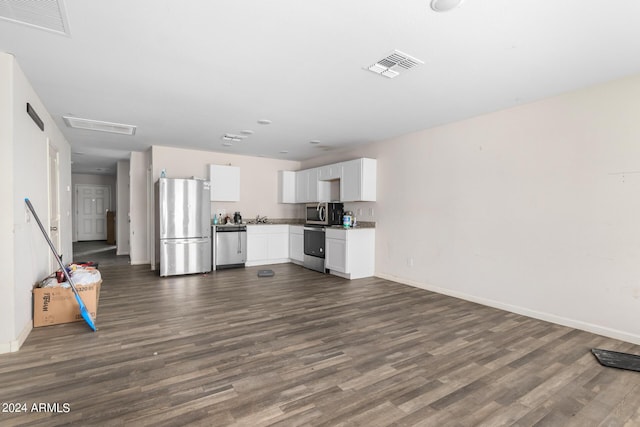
[[215, 220], [346, 219]]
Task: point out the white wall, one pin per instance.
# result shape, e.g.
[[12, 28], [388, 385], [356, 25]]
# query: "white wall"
[[122, 203], [534, 209], [29, 261], [138, 235], [7, 193], [91, 179]]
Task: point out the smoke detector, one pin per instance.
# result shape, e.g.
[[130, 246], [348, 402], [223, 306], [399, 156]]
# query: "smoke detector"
[[393, 64]]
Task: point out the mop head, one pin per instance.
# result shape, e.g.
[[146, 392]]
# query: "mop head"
[[614, 359]]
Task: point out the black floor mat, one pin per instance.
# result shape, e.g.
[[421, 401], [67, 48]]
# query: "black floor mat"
[[614, 359], [266, 273]]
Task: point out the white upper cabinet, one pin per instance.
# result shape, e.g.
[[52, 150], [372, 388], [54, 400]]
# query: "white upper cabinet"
[[329, 172], [307, 185], [225, 183], [358, 182], [286, 187], [352, 181]]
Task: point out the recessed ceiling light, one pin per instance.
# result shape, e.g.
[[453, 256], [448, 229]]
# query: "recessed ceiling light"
[[314, 141], [283, 152], [246, 132], [227, 144], [98, 125], [264, 121], [445, 5]]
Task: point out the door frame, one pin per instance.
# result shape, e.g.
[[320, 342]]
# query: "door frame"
[[53, 178]]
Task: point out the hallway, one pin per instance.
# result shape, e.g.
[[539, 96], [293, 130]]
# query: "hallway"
[[98, 251]]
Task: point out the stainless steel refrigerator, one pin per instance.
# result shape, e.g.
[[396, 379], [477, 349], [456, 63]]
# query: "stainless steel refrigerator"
[[184, 220]]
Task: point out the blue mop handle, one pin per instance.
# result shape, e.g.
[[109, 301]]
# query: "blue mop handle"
[[83, 308]]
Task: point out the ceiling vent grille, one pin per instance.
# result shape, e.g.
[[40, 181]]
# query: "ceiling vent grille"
[[43, 14], [391, 65], [100, 126]]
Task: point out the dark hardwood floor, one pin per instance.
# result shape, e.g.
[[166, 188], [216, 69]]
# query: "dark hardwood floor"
[[306, 349]]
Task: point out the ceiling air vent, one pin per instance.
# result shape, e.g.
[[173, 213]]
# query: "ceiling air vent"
[[43, 14], [100, 126], [394, 63]]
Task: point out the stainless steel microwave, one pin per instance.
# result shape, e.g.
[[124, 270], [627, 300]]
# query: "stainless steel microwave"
[[324, 213]]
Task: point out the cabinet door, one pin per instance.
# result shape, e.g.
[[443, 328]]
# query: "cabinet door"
[[336, 255], [358, 183], [312, 186], [350, 184], [302, 183], [257, 247], [296, 247], [278, 246], [329, 172], [286, 187], [225, 183]]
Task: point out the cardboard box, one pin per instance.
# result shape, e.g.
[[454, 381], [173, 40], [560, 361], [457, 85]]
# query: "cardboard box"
[[52, 306]]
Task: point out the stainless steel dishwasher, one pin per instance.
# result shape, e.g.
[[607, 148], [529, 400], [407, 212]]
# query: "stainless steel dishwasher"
[[231, 246]]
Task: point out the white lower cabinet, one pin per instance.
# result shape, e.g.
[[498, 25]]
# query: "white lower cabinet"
[[350, 253], [336, 254], [267, 244], [296, 243]]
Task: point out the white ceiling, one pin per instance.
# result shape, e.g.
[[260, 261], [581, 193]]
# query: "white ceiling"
[[185, 73]]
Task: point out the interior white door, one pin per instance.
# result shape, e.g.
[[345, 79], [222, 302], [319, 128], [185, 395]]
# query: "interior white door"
[[92, 204], [54, 205]]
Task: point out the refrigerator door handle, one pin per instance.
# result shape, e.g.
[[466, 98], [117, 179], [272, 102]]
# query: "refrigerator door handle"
[[184, 241]]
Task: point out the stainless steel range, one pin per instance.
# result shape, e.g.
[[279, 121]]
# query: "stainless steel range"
[[314, 248]]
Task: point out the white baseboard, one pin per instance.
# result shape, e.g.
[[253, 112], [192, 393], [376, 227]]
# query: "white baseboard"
[[267, 262], [140, 262], [15, 345], [548, 317]]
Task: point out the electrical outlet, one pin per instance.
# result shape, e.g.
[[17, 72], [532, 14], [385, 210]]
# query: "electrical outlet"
[[359, 211], [371, 212], [410, 262]]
